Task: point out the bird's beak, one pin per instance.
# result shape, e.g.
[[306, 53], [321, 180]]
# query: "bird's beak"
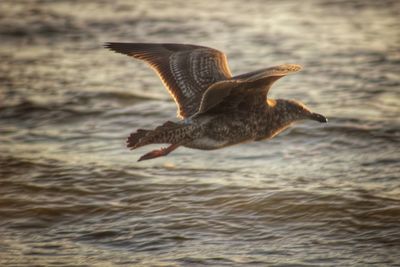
[[318, 117]]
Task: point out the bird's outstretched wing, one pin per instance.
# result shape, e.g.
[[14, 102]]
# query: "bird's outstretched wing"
[[250, 89], [186, 70]]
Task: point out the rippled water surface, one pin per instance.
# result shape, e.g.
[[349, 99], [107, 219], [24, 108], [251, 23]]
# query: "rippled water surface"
[[316, 195]]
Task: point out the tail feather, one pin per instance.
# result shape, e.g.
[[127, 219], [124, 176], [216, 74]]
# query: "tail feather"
[[134, 140], [159, 135]]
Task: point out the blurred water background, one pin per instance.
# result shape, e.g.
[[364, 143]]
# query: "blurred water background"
[[317, 195]]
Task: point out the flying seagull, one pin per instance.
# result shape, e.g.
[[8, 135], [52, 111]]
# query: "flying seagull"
[[216, 108]]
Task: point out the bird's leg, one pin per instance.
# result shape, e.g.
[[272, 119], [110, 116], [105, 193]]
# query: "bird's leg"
[[159, 152]]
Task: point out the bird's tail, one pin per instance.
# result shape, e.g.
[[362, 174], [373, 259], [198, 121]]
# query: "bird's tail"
[[134, 139], [168, 133]]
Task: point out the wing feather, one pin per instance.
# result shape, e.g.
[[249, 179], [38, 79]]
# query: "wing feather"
[[185, 70], [253, 85]]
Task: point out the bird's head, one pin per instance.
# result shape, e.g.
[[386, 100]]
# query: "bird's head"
[[295, 110]]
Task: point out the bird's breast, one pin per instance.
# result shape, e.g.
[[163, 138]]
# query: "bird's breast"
[[221, 131], [207, 143]]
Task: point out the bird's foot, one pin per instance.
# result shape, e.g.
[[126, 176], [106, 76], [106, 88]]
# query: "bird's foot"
[[153, 154], [159, 152]]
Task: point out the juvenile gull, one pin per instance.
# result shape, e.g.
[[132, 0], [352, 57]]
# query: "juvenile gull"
[[218, 110]]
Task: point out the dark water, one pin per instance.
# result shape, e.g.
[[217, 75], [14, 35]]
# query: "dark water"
[[317, 195]]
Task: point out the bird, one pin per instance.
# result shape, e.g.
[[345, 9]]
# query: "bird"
[[216, 109]]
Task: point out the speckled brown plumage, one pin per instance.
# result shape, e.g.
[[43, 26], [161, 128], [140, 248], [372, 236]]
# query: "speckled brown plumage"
[[218, 110]]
